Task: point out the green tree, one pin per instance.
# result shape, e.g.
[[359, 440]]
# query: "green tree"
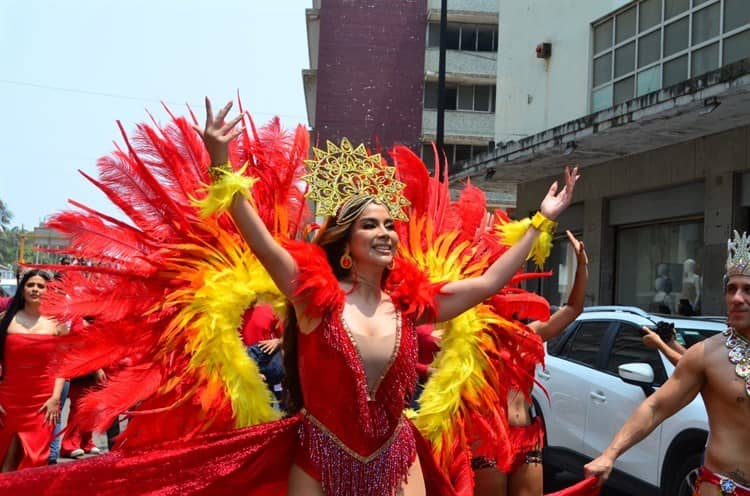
[[5, 216], [9, 241]]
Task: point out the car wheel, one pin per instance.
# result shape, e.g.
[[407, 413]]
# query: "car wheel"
[[682, 480]]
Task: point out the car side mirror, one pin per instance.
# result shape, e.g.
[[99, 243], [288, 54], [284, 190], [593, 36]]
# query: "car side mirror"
[[638, 374]]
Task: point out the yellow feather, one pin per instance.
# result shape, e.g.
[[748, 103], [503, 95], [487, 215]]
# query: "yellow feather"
[[511, 232], [221, 192]]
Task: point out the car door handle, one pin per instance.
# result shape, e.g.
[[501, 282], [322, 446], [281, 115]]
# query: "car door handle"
[[597, 396], [543, 374]]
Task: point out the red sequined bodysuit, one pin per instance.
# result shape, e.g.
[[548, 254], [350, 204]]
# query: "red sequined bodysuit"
[[347, 427]]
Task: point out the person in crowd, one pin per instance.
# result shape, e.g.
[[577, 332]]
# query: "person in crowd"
[[29, 396], [663, 285], [261, 334], [663, 338], [522, 473], [54, 446], [77, 442], [717, 368]]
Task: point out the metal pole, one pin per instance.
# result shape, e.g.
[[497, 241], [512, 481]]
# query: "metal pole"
[[21, 247], [439, 135]]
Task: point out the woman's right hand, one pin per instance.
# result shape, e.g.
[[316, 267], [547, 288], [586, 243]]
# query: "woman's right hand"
[[217, 134]]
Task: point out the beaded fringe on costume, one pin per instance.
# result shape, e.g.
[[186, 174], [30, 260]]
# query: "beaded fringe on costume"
[[345, 473]]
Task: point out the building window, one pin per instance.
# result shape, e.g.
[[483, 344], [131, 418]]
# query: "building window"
[[454, 153], [655, 44], [471, 98], [659, 267], [466, 37]]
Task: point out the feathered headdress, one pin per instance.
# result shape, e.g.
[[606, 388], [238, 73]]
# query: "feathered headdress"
[[340, 173]]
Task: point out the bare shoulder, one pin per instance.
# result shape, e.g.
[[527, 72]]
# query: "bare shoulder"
[[713, 347], [696, 358]]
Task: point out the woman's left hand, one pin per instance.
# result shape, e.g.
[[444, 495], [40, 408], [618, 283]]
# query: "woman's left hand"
[[51, 409], [555, 202]]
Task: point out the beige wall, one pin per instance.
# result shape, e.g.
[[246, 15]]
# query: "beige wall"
[[714, 161]]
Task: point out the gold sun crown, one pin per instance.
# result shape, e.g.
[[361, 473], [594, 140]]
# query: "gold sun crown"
[[342, 172], [738, 255]]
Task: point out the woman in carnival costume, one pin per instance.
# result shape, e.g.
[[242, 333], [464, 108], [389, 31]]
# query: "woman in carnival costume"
[[518, 472], [355, 300], [355, 324]]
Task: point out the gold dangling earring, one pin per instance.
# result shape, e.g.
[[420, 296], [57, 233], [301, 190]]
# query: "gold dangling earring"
[[346, 261]]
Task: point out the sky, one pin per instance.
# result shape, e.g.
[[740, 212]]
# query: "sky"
[[70, 69]]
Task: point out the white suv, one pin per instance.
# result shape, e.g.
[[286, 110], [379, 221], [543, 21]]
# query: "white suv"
[[597, 372]]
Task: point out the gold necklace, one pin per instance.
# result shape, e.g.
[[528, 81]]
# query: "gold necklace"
[[739, 355]]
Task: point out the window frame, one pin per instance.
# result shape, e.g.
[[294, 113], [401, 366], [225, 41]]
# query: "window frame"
[[604, 344], [432, 34], [453, 105], [661, 61], [660, 373]]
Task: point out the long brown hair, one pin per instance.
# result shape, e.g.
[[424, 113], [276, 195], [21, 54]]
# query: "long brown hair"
[[332, 237]]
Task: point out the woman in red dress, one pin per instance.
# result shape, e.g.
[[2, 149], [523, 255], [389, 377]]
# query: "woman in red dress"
[[29, 396]]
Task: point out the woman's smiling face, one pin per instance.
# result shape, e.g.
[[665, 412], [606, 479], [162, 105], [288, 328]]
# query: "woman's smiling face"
[[373, 237]]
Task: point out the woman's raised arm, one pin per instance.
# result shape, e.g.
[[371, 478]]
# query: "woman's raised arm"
[[459, 296], [277, 261]]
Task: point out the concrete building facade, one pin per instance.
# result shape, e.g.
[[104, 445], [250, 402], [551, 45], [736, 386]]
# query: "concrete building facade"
[[652, 99], [374, 70]]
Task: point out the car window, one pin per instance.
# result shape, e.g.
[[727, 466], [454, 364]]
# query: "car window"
[[583, 346], [688, 337], [555, 344], [628, 348]]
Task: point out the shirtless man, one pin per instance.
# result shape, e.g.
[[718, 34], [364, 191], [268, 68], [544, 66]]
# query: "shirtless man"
[[717, 368], [524, 476]]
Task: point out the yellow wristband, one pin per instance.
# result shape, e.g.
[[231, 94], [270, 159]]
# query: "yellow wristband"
[[217, 171], [542, 223]]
